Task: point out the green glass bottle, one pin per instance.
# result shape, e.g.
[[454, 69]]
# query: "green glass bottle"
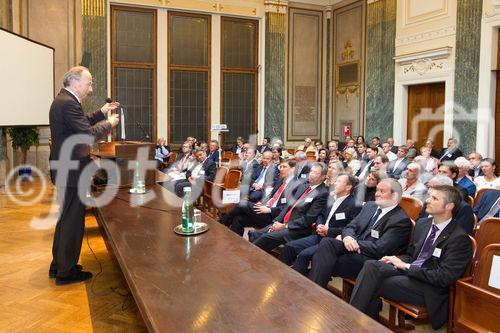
[[187, 211]]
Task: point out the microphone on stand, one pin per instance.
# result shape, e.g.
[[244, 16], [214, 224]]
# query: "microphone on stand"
[[144, 133], [122, 119]]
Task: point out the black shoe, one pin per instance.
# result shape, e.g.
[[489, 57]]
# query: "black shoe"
[[53, 272], [76, 276]]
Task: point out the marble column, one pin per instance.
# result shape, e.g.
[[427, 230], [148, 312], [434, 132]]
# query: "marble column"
[[468, 39], [275, 39], [380, 50]]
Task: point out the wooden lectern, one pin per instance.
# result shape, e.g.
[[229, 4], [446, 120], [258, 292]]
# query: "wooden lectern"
[[122, 152]]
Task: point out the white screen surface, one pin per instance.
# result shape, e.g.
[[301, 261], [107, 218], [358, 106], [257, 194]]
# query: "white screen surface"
[[26, 81]]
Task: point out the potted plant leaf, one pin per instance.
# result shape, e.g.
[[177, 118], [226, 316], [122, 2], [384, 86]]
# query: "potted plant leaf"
[[23, 138]]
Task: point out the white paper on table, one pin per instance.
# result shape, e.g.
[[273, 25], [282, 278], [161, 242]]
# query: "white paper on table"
[[495, 273], [230, 196], [176, 176]]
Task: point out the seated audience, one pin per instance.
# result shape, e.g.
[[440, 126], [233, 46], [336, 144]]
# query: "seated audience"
[[488, 206], [490, 178], [267, 175], [260, 214], [162, 152], [332, 145], [360, 140], [322, 156], [183, 158], [387, 151], [213, 151], [462, 214], [349, 143], [203, 169], [264, 146], [339, 211], [412, 151], [376, 142], [399, 165], [382, 228], [302, 168], [475, 160], [361, 153], [366, 165], [428, 163], [380, 164], [335, 168], [350, 159], [436, 257], [307, 146], [411, 184], [276, 156], [237, 148], [295, 219], [450, 153], [394, 148], [365, 191], [463, 179], [432, 152], [449, 169]]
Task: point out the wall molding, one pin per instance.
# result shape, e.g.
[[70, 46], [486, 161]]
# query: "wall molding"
[[435, 54], [495, 11], [426, 36]]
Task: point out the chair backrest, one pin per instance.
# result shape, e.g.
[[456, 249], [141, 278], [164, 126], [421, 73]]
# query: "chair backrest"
[[479, 194], [470, 200], [234, 157], [470, 265], [483, 268], [488, 233], [412, 206], [232, 179], [291, 151], [220, 175], [226, 155]]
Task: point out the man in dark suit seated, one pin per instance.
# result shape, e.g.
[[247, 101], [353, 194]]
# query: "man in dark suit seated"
[[436, 257], [450, 153], [303, 167], [339, 211], [213, 151], [381, 228], [295, 219], [450, 169], [488, 206], [267, 175], [462, 213], [475, 160], [183, 161], [264, 146], [203, 169], [399, 165], [463, 179], [260, 214], [237, 148]]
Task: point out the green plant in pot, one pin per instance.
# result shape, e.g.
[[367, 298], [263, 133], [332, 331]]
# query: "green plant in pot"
[[23, 138]]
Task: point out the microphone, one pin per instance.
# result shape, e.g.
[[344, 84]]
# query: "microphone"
[[109, 100], [144, 133]]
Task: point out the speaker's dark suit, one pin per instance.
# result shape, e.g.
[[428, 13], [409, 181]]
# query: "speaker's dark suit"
[[302, 217], [333, 259], [395, 172], [243, 215], [464, 216], [424, 286], [207, 172], [67, 119], [485, 203], [299, 252]]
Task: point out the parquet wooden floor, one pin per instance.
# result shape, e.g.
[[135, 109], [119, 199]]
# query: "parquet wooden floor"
[[31, 302]]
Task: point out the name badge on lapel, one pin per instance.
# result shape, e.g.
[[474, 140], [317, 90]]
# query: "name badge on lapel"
[[340, 216], [437, 253], [308, 199], [202, 172], [283, 200], [449, 155], [268, 191], [303, 176], [375, 234]]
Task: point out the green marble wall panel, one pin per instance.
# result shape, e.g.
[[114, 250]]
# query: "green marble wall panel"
[[275, 75], [94, 50], [381, 31], [468, 39]]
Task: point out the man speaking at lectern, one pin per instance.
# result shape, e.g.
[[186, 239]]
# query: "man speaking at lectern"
[[67, 119]]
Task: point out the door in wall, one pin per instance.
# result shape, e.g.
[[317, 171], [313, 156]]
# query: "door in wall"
[[426, 113]]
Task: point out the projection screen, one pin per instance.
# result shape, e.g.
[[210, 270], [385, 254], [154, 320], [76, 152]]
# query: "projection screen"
[[27, 80]]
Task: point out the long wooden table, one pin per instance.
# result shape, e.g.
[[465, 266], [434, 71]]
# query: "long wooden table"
[[216, 281]]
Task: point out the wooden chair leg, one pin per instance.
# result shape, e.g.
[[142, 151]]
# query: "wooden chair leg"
[[347, 289]]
